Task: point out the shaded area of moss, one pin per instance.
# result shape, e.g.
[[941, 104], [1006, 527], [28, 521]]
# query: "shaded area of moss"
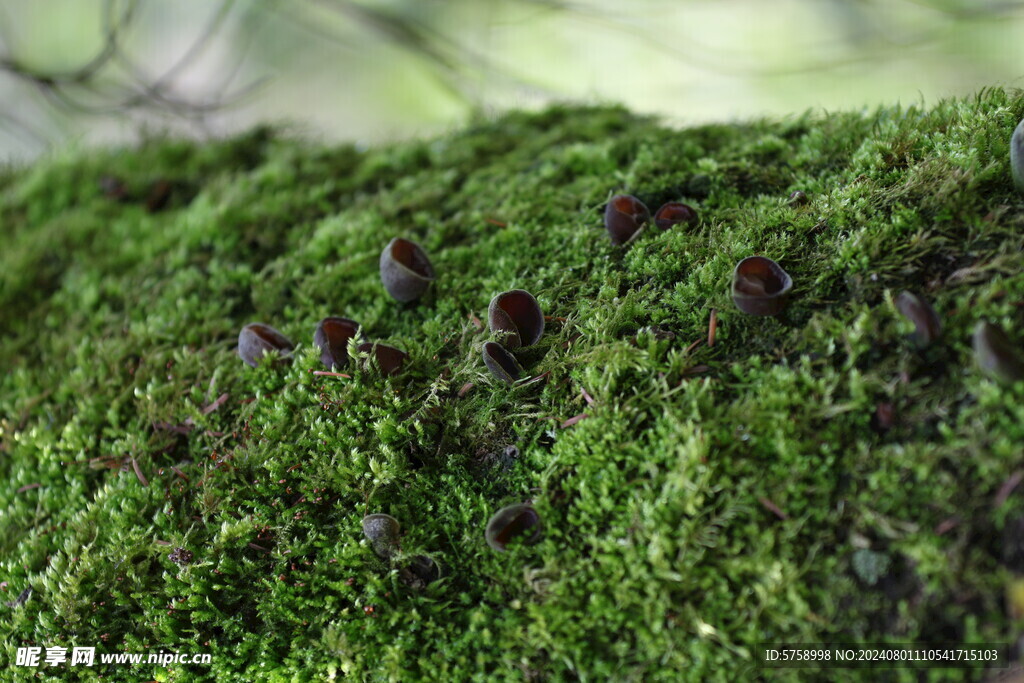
[[810, 478]]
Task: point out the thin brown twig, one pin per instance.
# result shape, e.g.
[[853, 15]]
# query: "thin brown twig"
[[138, 472], [574, 419]]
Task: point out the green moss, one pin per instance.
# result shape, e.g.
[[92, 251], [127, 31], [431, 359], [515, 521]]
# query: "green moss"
[[662, 556]]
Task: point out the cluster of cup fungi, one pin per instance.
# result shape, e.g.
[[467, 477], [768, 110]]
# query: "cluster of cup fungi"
[[760, 287], [406, 273], [994, 351]]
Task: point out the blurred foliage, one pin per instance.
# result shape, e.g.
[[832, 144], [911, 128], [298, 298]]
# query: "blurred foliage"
[[369, 70]]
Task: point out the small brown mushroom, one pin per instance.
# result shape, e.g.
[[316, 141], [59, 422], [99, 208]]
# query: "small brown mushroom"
[[331, 337], [256, 340], [674, 213], [996, 354], [760, 286], [382, 532], [516, 317], [390, 359], [501, 363], [405, 270], [797, 198], [508, 523], [624, 218], [927, 326]]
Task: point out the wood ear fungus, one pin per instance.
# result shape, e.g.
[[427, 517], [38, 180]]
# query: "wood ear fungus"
[[390, 359], [518, 521], [674, 213], [996, 354], [516, 317], [256, 340], [927, 326], [382, 532], [501, 363], [331, 337], [760, 286], [624, 218], [405, 270]]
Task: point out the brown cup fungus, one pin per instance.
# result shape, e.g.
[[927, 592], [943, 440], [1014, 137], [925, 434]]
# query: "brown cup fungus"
[[382, 532], [518, 521], [624, 218], [515, 316], [501, 363], [1017, 157], [331, 337], [674, 213], [405, 270], [760, 286], [256, 340], [390, 359], [927, 326], [420, 571], [996, 353]]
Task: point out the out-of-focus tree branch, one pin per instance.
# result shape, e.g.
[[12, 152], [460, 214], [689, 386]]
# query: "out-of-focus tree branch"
[[114, 81], [131, 89]]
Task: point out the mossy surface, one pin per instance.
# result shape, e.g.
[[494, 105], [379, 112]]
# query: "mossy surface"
[[714, 498]]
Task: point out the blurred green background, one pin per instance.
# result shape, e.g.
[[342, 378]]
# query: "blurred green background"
[[97, 71]]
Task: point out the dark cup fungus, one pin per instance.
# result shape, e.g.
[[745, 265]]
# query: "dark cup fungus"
[[405, 270], [158, 196], [331, 337], [515, 316], [382, 532], [996, 354], [674, 213], [760, 286], [501, 363], [917, 310], [1017, 156], [114, 188], [420, 571], [256, 340], [514, 521], [390, 359], [624, 217]]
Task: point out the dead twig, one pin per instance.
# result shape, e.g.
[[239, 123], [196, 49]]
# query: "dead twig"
[[574, 419], [694, 345], [216, 404], [772, 507], [1007, 488], [138, 472]]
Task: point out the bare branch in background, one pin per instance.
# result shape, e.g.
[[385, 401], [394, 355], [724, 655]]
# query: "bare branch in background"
[[450, 60], [115, 83], [95, 88]]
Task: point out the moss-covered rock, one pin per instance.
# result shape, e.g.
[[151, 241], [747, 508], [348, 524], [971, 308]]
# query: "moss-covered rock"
[[811, 477]]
